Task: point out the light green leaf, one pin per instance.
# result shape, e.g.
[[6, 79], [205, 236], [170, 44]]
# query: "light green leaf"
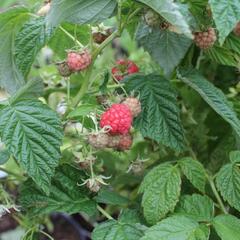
[[161, 190], [166, 48], [234, 156], [171, 12], [226, 14], [228, 182], [32, 133], [4, 156], [82, 110], [109, 197], [65, 195], [177, 228], [233, 42], [114, 230], [10, 22], [30, 39], [194, 171], [222, 56], [227, 227], [159, 118], [198, 207], [80, 12], [212, 95]]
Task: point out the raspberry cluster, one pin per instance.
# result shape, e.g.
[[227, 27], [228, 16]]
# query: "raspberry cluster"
[[205, 39], [117, 121]]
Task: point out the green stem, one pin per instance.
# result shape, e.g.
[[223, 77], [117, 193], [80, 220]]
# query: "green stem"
[[71, 36], [104, 213], [215, 192], [200, 58], [19, 177]]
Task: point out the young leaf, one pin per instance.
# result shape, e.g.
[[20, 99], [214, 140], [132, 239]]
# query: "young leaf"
[[30, 39], [226, 14], [171, 12], [159, 118], [32, 133], [65, 195], [228, 181], [80, 12], [118, 231], [227, 227], [194, 171], [177, 227], [212, 95], [222, 56], [166, 48], [10, 22], [161, 190], [199, 208]]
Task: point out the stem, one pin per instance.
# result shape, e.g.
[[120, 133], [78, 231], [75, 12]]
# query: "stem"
[[215, 192], [71, 36], [200, 58], [104, 213]]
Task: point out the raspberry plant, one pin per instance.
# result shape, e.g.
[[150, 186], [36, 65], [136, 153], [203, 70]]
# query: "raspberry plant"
[[145, 146]]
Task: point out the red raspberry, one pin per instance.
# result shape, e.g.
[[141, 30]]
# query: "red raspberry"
[[78, 61], [124, 68], [237, 29], [205, 39], [125, 142], [118, 118], [99, 140], [134, 105]]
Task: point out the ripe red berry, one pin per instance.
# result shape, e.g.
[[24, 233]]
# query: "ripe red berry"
[[237, 29], [99, 140], [125, 142], [206, 39], [134, 105], [78, 61], [118, 118], [124, 68]]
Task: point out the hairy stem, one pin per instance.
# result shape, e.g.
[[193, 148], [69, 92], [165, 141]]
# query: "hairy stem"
[[71, 36], [104, 213]]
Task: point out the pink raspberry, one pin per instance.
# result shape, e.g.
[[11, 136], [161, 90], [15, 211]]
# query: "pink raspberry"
[[134, 105], [118, 118], [78, 61], [125, 142]]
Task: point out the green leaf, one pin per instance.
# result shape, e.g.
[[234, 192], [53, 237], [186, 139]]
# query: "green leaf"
[[32, 89], [130, 216], [171, 12], [194, 171], [80, 12], [222, 56], [233, 42], [10, 22], [109, 197], [159, 118], [65, 195], [166, 48], [227, 227], [177, 228], [228, 181], [82, 110], [198, 207], [32, 133], [4, 156], [234, 156], [161, 190], [114, 230], [30, 39], [212, 95], [226, 14]]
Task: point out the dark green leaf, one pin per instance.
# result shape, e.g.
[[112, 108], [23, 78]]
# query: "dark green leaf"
[[233, 43], [166, 48], [65, 195], [171, 12], [177, 228], [226, 14], [80, 12], [32, 133], [161, 190], [227, 227], [195, 172], [30, 39], [10, 22], [212, 95], [198, 207], [159, 118]]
